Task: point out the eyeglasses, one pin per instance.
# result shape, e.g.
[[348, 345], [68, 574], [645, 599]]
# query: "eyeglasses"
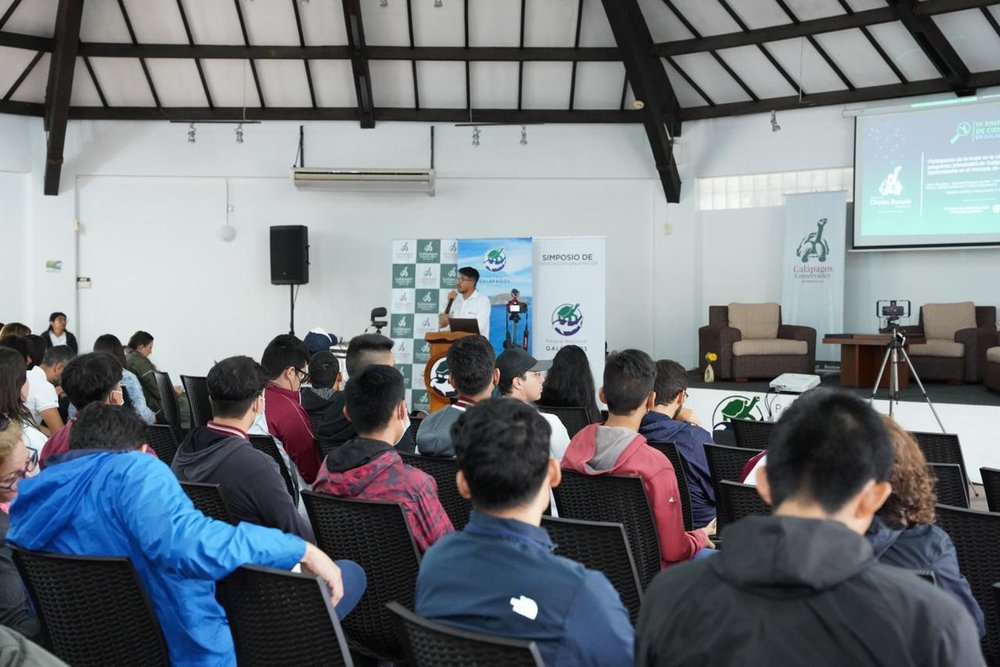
[[465, 278], [29, 467], [302, 375]]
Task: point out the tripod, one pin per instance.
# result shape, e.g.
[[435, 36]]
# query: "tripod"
[[511, 338], [893, 352]]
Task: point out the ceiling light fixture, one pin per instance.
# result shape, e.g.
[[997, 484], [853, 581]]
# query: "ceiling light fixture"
[[524, 135], [191, 133], [438, 3], [774, 121], [239, 133], [475, 135], [383, 3]]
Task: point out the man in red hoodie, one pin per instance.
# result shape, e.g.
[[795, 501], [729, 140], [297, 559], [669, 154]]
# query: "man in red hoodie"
[[286, 360], [616, 448]]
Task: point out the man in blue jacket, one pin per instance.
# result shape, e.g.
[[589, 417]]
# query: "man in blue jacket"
[[670, 421], [107, 497]]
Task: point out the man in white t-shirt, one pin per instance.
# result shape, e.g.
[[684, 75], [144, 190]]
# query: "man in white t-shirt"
[[521, 378], [467, 302], [42, 401]]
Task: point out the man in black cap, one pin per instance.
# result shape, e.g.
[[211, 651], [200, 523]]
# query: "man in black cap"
[[521, 378], [465, 302]]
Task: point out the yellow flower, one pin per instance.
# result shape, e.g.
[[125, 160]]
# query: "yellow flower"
[[712, 356]]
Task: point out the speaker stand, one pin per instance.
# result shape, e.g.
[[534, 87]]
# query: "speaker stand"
[[291, 309]]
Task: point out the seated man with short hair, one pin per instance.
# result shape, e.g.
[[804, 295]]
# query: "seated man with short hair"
[[616, 448], [473, 374], [802, 587], [285, 360], [367, 467], [89, 378], [669, 421], [106, 498], [220, 452], [499, 575]]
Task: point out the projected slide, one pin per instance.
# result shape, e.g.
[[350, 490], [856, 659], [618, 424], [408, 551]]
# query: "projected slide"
[[928, 177]]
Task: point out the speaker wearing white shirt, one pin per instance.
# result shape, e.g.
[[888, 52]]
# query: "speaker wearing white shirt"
[[465, 301]]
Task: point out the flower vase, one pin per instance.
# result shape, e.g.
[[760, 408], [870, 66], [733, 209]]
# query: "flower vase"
[[709, 373]]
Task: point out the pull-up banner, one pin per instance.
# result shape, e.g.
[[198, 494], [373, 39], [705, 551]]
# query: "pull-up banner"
[[812, 290]]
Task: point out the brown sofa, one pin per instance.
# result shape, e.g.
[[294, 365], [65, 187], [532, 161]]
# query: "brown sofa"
[[958, 335], [991, 377], [752, 342]]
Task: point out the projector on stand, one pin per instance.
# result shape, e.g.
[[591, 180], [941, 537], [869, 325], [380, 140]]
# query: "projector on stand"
[[794, 383]]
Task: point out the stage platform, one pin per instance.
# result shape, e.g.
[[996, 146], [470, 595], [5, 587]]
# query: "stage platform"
[[970, 410]]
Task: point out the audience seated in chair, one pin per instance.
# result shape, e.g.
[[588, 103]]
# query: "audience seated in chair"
[[521, 379], [903, 534], [286, 361], [43, 398], [53, 363], [106, 498], [570, 383], [617, 448], [669, 421], [134, 397], [325, 381], [367, 467], [17, 461], [472, 372], [37, 402], [140, 347], [499, 575], [220, 453], [800, 587], [89, 378]]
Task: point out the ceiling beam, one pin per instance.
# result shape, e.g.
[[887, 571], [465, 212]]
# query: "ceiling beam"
[[359, 62], [650, 86], [935, 46], [946, 6], [16, 40], [59, 90]]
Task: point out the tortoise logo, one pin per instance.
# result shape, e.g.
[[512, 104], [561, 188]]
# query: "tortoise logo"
[[737, 407], [495, 260], [441, 379], [567, 319], [814, 245], [404, 272]]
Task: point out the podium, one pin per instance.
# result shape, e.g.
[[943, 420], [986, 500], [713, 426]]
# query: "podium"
[[436, 380]]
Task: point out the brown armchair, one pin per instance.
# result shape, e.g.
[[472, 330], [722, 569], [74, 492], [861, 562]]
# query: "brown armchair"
[[958, 335], [752, 342]]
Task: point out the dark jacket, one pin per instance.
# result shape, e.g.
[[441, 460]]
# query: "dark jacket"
[[70, 341], [689, 440], [251, 484], [333, 427], [925, 547], [790, 591], [15, 610], [371, 470], [146, 372]]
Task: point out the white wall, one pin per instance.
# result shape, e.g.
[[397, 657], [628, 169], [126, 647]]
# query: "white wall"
[[16, 275], [150, 205]]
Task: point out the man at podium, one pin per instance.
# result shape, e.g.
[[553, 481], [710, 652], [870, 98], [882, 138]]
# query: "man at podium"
[[466, 302]]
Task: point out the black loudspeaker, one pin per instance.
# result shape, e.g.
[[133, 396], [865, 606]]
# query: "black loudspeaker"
[[290, 255]]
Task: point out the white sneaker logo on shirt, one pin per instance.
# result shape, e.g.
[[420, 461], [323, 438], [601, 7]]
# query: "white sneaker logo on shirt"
[[525, 606]]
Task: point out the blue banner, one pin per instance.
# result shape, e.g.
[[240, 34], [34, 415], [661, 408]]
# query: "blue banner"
[[504, 265]]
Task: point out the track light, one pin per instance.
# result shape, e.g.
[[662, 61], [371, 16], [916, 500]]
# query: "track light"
[[191, 133], [774, 122], [475, 135], [524, 135], [239, 133], [438, 3], [383, 3]]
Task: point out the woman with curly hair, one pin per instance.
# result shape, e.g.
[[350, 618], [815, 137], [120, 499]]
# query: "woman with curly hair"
[[570, 383], [903, 531]]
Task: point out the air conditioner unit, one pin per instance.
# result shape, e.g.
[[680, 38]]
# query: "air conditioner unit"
[[365, 180]]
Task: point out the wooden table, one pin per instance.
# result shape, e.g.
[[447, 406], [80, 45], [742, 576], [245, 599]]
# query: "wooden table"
[[861, 357]]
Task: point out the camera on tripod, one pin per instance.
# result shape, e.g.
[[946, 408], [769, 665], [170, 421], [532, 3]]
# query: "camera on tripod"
[[892, 310]]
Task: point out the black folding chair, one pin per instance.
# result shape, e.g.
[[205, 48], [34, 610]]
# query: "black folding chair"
[[163, 441], [94, 610], [942, 448], [196, 389], [949, 483], [266, 444], [726, 463], [614, 499], [991, 487], [751, 434], [573, 418], [669, 450], [209, 499], [443, 470], [376, 536], [168, 403], [603, 547], [280, 618], [430, 644], [736, 501]]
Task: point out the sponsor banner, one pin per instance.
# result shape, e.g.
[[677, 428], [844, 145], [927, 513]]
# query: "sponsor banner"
[[421, 354], [402, 300], [504, 265], [402, 352], [401, 327], [421, 400], [429, 251], [417, 371], [812, 292], [407, 371], [428, 276], [404, 251], [449, 251], [448, 276], [404, 276], [426, 302], [569, 302]]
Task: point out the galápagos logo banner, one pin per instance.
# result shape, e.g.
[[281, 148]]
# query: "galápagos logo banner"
[[737, 407], [495, 260], [441, 379], [814, 245], [567, 319]]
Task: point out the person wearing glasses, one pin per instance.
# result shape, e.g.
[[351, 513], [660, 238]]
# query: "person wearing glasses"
[[465, 301], [521, 378], [17, 461], [669, 421], [286, 360], [89, 378], [14, 389]]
